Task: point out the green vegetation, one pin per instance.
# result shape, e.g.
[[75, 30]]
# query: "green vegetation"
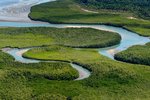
[[109, 79], [70, 11], [5, 58], [63, 71], [47, 80], [74, 37], [139, 54], [138, 7], [15, 78], [61, 53]]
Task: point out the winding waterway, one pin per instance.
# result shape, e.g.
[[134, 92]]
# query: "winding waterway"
[[128, 38], [17, 54]]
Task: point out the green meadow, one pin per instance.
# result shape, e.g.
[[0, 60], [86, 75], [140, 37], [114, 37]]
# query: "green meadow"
[[73, 37]]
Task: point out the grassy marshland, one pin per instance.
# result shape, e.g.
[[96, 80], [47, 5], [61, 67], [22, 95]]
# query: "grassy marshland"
[[109, 79], [45, 80], [70, 11], [63, 71], [73, 37], [139, 54], [15, 77]]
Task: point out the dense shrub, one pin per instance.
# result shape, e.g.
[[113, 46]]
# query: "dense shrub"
[[136, 54], [138, 7]]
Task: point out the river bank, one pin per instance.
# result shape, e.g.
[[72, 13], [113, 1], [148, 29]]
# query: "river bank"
[[17, 10], [18, 56]]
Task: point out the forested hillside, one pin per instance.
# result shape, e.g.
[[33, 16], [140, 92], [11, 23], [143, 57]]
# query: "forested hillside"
[[140, 8]]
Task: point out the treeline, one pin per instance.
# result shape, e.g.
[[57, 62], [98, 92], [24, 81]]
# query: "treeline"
[[140, 8], [136, 54]]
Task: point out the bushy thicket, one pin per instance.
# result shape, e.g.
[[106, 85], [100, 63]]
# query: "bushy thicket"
[[138, 7], [136, 54]]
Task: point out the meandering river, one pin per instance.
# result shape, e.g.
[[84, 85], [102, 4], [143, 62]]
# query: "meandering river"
[[17, 54], [128, 38]]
